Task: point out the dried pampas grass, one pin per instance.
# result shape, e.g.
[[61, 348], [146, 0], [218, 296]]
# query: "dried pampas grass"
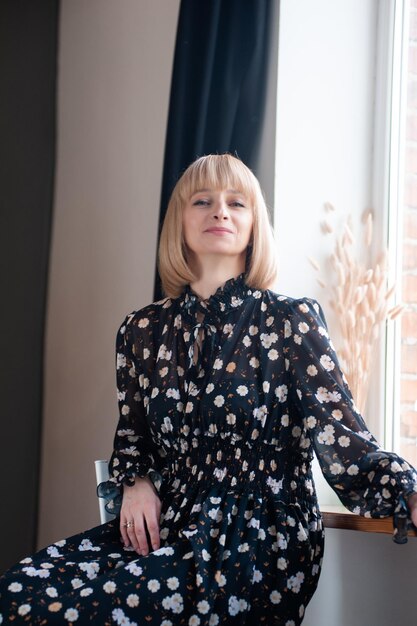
[[360, 299]]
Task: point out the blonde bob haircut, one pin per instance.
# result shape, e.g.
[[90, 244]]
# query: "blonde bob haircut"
[[217, 172]]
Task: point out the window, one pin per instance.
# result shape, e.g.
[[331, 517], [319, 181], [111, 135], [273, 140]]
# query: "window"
[[401, 388]]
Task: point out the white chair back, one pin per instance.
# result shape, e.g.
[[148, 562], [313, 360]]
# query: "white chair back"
[[102, 474]]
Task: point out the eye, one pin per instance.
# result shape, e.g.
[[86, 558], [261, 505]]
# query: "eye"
[[237, 203], [201, 202]]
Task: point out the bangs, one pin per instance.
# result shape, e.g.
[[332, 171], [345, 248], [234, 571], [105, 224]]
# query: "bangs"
[[218, 171]]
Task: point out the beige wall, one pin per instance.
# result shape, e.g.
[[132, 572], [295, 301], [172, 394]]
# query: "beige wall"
[[115, 64]]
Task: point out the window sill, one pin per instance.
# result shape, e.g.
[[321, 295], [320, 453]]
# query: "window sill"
[[339, 517]]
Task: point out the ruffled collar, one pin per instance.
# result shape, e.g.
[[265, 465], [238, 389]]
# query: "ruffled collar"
[[229, 296]]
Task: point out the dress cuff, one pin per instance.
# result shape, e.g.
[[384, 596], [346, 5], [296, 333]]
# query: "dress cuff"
[[112, 490]]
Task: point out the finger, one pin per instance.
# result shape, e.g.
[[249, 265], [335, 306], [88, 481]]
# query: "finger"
[[152, 525], [138, 537], [123, 532]]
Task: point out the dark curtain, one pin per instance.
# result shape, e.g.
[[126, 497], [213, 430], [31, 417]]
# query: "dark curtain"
[[218, 85], [28, 50]]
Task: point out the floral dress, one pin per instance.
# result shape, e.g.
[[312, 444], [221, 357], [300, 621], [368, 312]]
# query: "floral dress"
[[222, 403]]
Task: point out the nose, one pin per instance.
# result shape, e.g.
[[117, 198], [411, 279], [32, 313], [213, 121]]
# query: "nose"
[[221, 210]]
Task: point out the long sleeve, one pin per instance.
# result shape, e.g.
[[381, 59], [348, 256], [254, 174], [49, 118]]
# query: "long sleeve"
[[368, 480], [134, 453]]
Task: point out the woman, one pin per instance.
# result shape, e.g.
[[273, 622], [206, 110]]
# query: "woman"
[[225, 389]]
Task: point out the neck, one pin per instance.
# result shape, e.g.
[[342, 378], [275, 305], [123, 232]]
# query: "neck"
[[212, 275]]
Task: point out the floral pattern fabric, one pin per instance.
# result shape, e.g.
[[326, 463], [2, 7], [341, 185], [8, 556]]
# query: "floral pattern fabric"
[[222, 403]]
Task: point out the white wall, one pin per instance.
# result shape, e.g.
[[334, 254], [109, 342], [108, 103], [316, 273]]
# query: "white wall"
[[115, 62], [325, 139]]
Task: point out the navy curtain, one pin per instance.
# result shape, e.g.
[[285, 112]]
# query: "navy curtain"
[[28, 50], [218, 85]]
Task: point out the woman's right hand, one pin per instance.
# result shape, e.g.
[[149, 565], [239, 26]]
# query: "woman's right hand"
[[142, 506]]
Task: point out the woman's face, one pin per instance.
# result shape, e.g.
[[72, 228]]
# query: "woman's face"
[[217, 222]]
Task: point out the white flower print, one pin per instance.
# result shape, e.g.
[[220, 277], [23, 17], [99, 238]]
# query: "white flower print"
[[303, 327], [275, 597], [194, 620], [246, 341], [214, 619], [327, 363], [173, 603], [395, 467], [71, 615], [76, 583], [51, 592], [285, 420], [109, 586], [154, 585], [132, 600], [242, 390], [311, 421], [282, 563], [275, 485], [336, 469], [322, 395], [53, 552], [268, 339], [134, 568], [257, 576], [24, 609], [209, 388], [206, 556], [237, 605], [254, 362], [337, 414], [87, 545], [203, 607], [294, 582], [287, 329], [84, 592], [266, 386], [143, 323], [281, 393], [231, 419], [260, 413], [326, 436], [219, 400], [120, 361], [273, 354], [353, 470], [253, 330], [173, 583], [312, 370], [344, 441], [218, 364]]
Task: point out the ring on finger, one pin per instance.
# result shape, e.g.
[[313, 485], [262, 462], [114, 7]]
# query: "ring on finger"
[[129, 524]]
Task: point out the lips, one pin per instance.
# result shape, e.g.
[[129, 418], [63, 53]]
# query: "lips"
[[218, 230]]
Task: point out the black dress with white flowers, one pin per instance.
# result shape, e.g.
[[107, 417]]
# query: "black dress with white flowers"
[[222, 403]]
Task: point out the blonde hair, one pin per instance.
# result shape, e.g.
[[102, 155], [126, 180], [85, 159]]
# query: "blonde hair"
[[216, 171]]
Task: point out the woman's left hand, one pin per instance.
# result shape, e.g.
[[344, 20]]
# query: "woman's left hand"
[[412, 505]]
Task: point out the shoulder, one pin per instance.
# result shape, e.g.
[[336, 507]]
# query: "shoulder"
[[147, 316], [289, 306]]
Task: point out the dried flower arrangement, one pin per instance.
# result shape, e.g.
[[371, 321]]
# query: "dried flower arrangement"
[[361, 302]]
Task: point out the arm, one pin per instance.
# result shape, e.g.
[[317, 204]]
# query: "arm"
[[135, 462], [368, 480]]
